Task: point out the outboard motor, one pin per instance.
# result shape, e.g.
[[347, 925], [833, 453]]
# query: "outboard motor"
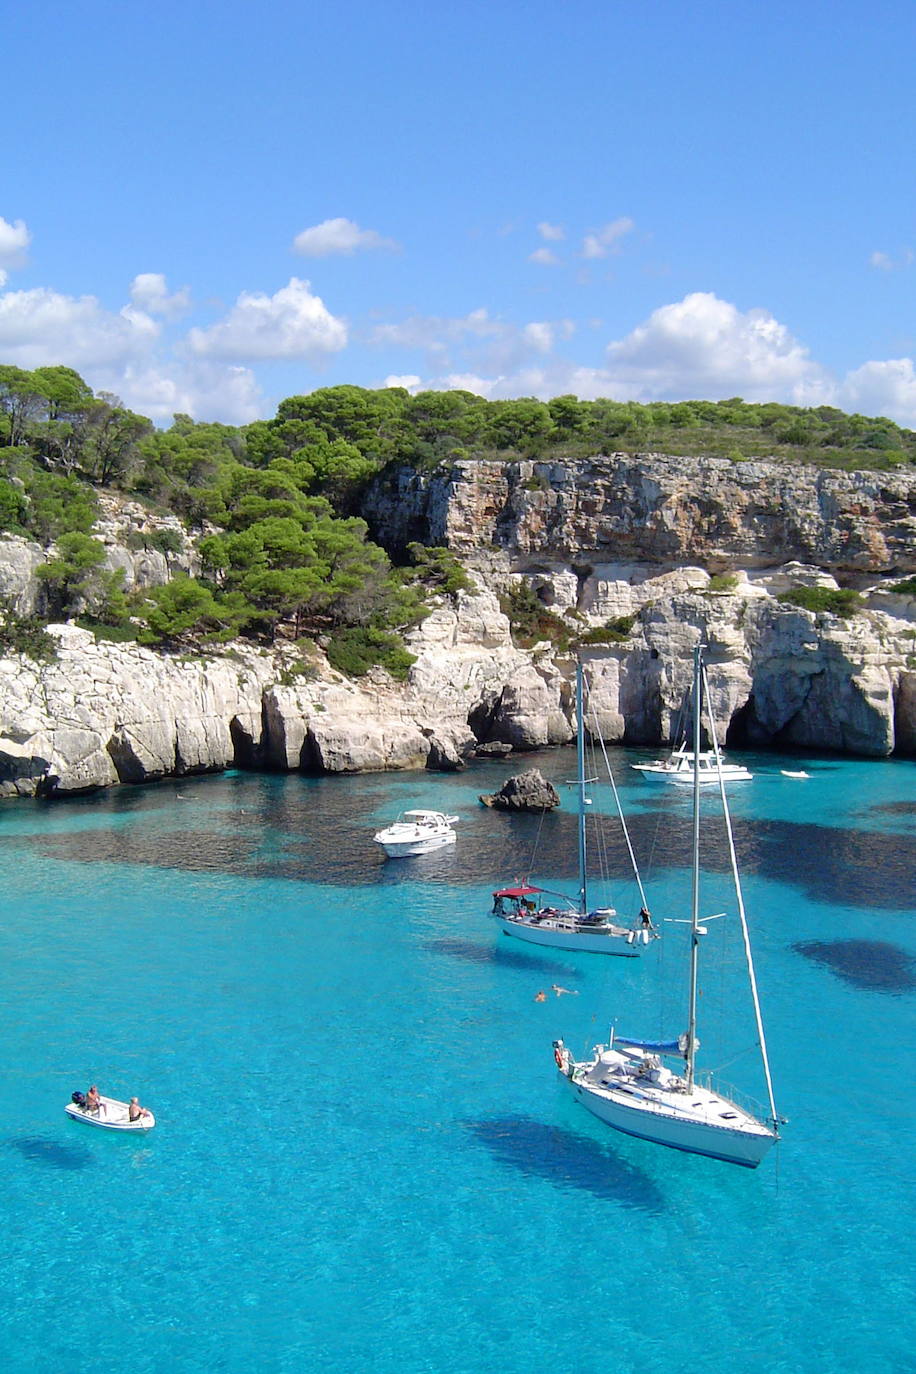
[[79, 1099]]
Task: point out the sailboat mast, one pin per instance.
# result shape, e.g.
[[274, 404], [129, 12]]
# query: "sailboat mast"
[[695, 897], [580, 773]]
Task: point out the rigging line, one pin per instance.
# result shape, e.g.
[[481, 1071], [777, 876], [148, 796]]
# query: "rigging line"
[[749, 958], [536, 846], [623, 824]]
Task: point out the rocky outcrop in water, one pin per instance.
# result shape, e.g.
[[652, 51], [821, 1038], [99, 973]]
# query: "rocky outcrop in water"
[[528, 791]]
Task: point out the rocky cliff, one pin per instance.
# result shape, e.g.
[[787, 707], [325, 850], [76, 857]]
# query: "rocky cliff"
[[594, 540]]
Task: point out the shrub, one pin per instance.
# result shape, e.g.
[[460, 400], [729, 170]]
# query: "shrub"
[[615, 631], [531, 620], [25, 634], [905, 588], [841, 601], [722, 582], [354, 651]]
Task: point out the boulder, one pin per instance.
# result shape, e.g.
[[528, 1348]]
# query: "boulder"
[[525, 792]]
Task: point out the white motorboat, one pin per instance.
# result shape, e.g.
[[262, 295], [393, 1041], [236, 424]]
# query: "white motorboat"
[[678, 768], [417, 832], [111, 1114], [628, 1087], [573, 924]]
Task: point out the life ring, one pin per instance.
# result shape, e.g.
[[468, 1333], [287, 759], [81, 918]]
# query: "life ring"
[[558, 1056]]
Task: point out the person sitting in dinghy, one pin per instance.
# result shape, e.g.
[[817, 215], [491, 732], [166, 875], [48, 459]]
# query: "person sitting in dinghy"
[[93, 1101], [135, 1111]]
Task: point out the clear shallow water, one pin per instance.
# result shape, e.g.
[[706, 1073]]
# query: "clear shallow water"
[[364, 1158]]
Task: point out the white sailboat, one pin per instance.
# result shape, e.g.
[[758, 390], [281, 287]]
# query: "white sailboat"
[[625, 1083], [563, 922]]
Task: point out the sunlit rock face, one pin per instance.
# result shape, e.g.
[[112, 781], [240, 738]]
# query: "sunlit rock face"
[[658, 510], [661, 550]]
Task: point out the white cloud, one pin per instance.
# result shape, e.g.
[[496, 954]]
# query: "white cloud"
[[410, 382], [149, 292], [292, 323], [553, 233], [338, 236], [14, 240], [544, 257], [202, 389], [42, 327], [474, 343], [607, 239], [705, 347], [882, 388]]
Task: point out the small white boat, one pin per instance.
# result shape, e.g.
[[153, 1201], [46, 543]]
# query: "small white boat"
[[111, 1115], [790, 773], [417, 832], [678, 768]]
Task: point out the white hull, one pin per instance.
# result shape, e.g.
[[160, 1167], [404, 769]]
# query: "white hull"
[[405, 849], [417, 832], [660, 772], [679, 769], [111, 1116], [626, 944], [701, 1131]]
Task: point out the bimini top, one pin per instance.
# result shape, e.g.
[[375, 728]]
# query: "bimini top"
[[521, 891]]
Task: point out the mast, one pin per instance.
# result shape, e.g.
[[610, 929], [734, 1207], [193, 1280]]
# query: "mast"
[[695, 898], [580, 776]]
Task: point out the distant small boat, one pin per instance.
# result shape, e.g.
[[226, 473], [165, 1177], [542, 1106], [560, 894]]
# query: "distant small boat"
[[416, 832], [678, 768], [789, 773], [111, 1115]]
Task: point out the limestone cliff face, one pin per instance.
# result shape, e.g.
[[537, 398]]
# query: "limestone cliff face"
[[659, 510], [609, 538]]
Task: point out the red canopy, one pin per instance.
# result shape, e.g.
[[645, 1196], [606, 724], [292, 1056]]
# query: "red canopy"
[[517, 891]]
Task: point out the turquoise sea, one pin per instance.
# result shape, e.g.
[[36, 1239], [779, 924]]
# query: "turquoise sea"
[[364, 1158]]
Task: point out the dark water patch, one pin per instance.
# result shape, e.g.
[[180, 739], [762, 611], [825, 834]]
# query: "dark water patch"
[[39, 1149], [873, 965], [320, 830], [568, 1160], [193, 851], [497, 954], [898, 808]]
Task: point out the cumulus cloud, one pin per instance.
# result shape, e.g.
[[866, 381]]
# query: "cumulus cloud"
[[410, 382], [553, 233], [42, 327], [607, 239], [14, 240], [149, 292], [704, 346], [292, 323], [204, 390], [882, 388], [334, 237]]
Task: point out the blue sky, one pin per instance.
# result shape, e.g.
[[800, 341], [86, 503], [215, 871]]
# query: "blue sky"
[[206, 207]]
